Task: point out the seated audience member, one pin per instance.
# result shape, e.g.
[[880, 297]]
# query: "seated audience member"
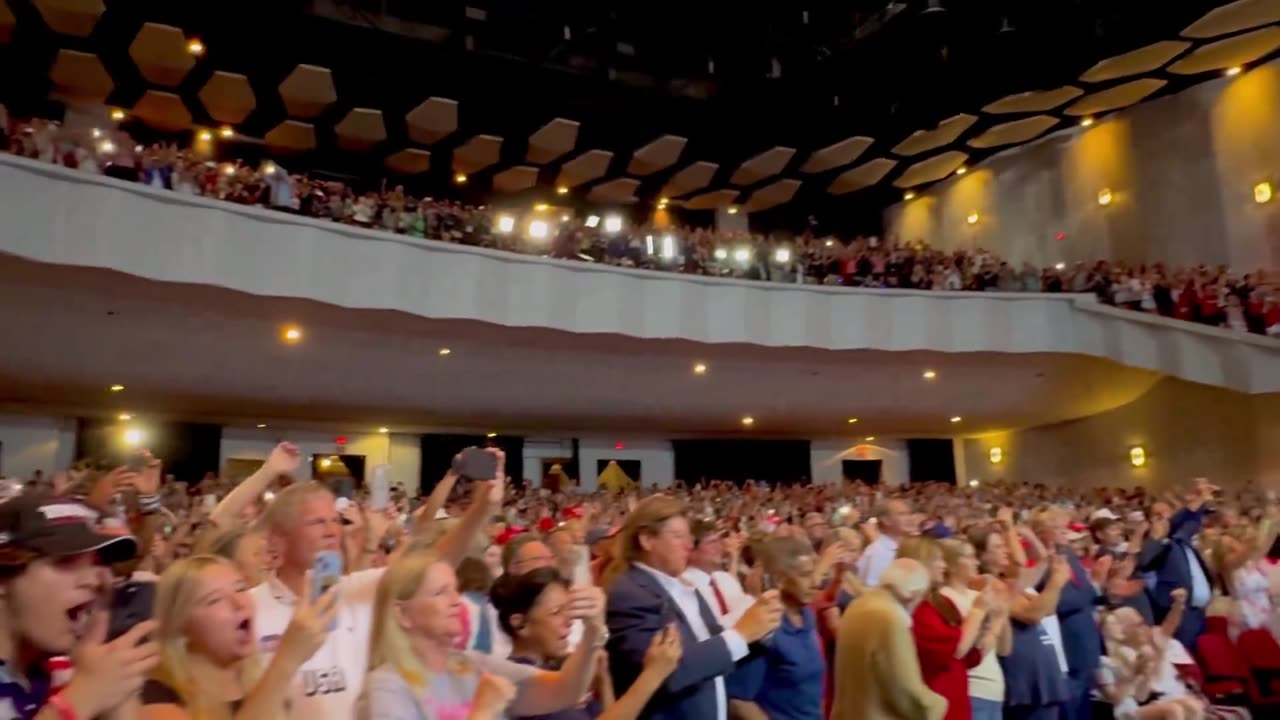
[[209, 663], [986, 679], [783, 678], [948, 643], [416, 672], [721, 590], [877, 671], [1138, 678], [52, 567], [533, 609], [647, 593]]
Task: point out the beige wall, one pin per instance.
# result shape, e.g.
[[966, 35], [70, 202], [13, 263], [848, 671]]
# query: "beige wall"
[[1187, 431], [1181, 169]]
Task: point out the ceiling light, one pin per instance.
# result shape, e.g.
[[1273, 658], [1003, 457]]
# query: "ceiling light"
[[962, 170], [973, 217], [541, 207], [204, 136], [935, 6], [506, 223], [133, 437], [227, 132], [909, 195], [291, 334], [852, 420], [1086, 122], [492, 435], [195, 47], [829, 243], [593, 220], [538, 230], [124, 416], [443, 351], [663, 201], [460, 179], [562, 190], [384, 430], [700, 369], [930, 374], [1060, 266], [117, 114], [1234, 71], [956, 419], [261, 425], [96, 133], [748, 421], [116, 388], [613, 224], [733, 210], [1262, 192], [869, 438], [1105, 197]]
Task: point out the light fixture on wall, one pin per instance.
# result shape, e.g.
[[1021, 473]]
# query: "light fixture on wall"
[[973, 218], [1262, 192], [1105, 196], [996, 455], [1137, 456]]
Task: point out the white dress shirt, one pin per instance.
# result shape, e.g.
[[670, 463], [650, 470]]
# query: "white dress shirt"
[[685, 596], [876, 558], [735, 598]]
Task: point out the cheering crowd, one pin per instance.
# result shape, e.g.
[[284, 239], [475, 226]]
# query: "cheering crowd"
[[126, 594], [1216, 296]]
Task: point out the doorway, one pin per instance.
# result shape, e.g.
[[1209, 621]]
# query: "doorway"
[[864, 471]]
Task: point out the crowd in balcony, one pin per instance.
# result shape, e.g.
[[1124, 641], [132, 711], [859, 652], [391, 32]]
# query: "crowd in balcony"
[[1216, 296]]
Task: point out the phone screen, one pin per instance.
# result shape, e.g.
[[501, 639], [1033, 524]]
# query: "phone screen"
[[326, 572], [380, 488], [131, 603]]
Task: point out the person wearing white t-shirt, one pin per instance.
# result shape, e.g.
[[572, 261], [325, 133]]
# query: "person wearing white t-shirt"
[[302, 522], [986, 679]]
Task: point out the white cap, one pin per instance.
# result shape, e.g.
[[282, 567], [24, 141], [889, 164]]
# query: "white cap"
[[1104, 513]]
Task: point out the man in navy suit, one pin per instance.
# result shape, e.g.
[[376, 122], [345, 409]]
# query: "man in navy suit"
[[1081, 640], [1169, 555], [647, 592]]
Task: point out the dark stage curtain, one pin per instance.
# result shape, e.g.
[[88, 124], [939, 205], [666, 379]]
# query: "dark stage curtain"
[[188, 450], [438, 450], [931, 460], [771, 461]]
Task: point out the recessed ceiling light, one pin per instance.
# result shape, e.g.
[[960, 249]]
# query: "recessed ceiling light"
[[444, 351], [124, 416], [291, 334], [261, 425], [1086, 122], [909, 195], [930, 374], [460, 179], [195, 47], [870, 438], [700, 369], [956, 419], [492, 435], [1232, 72], [733, 210], [748, 421], [853, 420], [562, 190], [384, 430], [962, 170], [116, 388]]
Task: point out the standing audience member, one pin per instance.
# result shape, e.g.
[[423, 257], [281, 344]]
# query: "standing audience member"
[[986, 679], [1176, 562], [720, 589], [893, 522], [877, 671], [1077, 598]]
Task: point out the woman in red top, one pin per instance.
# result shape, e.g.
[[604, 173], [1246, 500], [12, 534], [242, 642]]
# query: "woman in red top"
[[947, 643]]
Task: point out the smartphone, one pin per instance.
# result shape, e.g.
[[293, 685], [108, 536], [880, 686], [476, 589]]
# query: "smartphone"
[[380, 488], [210, 502], [476, 464], [326, 572], [344, 487], [131, 603]]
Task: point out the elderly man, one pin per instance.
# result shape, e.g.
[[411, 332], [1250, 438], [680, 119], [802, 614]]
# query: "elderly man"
[[877, 669], [894, 521]]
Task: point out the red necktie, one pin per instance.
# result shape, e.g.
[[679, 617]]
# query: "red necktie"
[[724, 606]]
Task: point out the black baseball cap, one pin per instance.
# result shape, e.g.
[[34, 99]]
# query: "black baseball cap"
[[53, 526]]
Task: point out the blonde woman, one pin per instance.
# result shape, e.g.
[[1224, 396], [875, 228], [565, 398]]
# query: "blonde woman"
[[209, 669], [986, 679], [245, 546], [416, 673]]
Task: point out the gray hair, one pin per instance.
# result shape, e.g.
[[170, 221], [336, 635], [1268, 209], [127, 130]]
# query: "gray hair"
[[907, 579]]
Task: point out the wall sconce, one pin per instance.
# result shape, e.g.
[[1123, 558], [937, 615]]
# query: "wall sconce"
[[1137, 456], [1105, 197], [973, 218], [996, 455], [1262, 193]]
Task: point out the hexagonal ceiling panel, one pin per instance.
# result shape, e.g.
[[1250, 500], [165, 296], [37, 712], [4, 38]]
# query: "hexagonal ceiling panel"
[[433, 120], [409, 161], [1014, 132], [160, 52], [552, 140], [863, 176], [620, 190], [935, 168], [712, 200], [837, 155], [772, 195], [360, 130], [1035, 101], [163, 111], [586, 167], [1136, 62], [1223, 54], [521, 177], [291, 136], [71, 17], [765, 165], [477, 153], [7, 22], [80, 76], [945, 134], [657, 155], [308, 91], [1117, 97], [228, 97], [1237, 16], [694, 177]]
